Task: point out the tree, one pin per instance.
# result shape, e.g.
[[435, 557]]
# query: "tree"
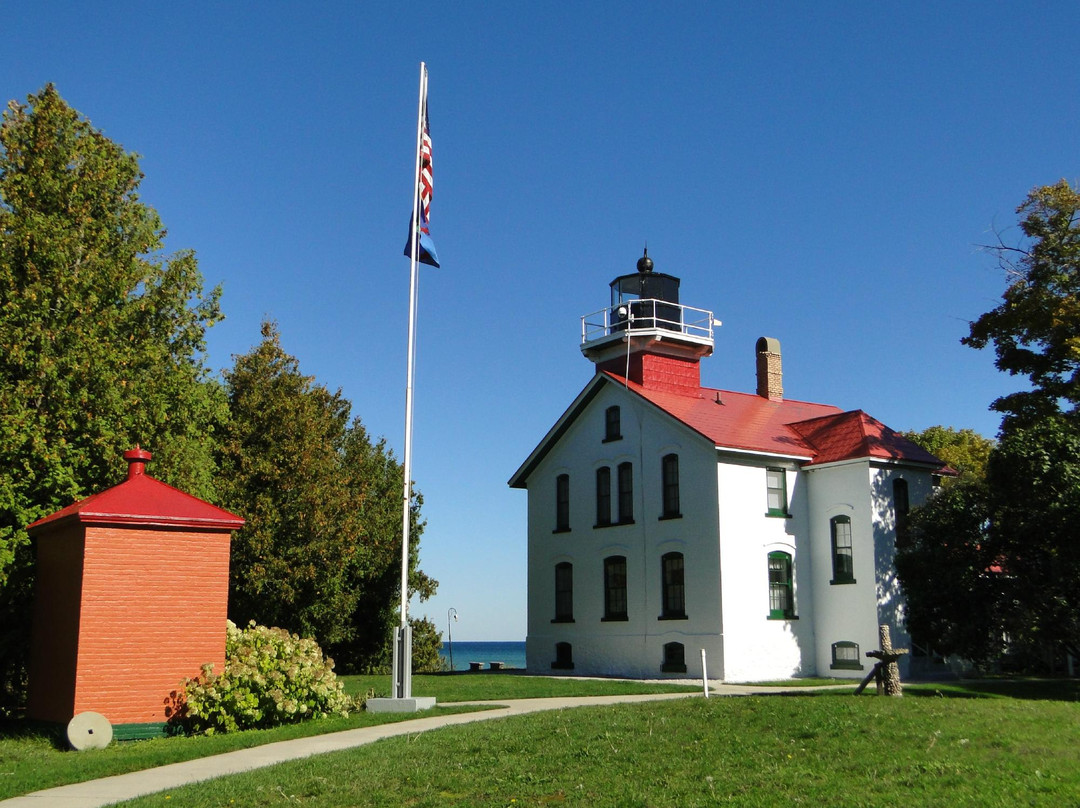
[[1036, 329], [320, 553], [996, 567], [101, 338], [965, 450], [950, 576]]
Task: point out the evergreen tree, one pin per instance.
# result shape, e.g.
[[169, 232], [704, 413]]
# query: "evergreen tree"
[[320, 553], [101, 338]]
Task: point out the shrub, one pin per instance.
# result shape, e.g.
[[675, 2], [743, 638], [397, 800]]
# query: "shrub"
[[271, 677]]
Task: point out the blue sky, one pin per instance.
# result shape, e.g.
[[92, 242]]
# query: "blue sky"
[[819, 173]]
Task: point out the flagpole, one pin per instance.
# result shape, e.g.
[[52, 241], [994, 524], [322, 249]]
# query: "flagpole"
[[403, 644]]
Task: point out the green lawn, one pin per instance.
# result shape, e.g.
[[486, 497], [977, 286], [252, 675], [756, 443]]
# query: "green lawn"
[[31, 760], [821, 749]]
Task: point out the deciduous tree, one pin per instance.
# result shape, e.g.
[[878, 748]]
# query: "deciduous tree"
[[101, 337]]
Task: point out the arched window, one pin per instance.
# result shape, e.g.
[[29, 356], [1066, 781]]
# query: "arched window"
[[673, 590], [564, 657], [843, 565], [845, 656], [674, 658], [612, 424], [603, 496], [626, 493], [615, 588], [781, 590], [670, 482], [562, 503], [564, 593]]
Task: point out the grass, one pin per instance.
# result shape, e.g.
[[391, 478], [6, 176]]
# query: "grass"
[[939, 746], [32, 759]]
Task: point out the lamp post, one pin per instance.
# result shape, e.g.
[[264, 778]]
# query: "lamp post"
[[450, 613]]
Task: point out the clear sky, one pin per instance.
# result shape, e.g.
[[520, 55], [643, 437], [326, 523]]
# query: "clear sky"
[[819, 173]]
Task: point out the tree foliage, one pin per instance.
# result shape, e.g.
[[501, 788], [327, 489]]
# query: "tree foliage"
[[320, 553], [965, 450], [995, 567], [1036, 329], [101, 337]]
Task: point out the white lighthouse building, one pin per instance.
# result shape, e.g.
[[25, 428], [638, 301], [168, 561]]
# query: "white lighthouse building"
[[665, 517]]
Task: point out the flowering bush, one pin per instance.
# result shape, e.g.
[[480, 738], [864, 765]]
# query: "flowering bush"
[[271, 677]]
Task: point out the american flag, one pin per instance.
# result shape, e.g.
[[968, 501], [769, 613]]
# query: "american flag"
[[425, 252], [425, 177]]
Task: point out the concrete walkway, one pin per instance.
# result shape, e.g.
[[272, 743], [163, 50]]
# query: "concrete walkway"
[[110, 790]]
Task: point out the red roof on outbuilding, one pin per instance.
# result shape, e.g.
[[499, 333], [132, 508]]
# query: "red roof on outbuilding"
[[142, 500]]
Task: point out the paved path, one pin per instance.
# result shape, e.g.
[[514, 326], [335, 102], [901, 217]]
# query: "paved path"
[[110, 790]]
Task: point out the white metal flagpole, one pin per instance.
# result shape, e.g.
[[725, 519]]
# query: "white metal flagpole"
[[403, 644]]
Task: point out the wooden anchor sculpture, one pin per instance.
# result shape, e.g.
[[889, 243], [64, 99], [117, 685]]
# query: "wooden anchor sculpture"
[[885, 670]]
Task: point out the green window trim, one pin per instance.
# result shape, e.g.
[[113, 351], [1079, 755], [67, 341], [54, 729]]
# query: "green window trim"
[[843, 562], [776, 493], [781, 587]]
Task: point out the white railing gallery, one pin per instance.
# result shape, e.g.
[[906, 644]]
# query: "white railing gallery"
[[635, 315]]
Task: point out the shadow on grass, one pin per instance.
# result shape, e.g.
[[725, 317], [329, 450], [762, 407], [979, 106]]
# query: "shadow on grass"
[[1021, 689], [21, 729]]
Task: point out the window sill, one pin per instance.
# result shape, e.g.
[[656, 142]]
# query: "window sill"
[[778, 514], [616, 619], [563, 620], [842, 581], [561, 530], [673, 617], [612, 440], [851, 666], [783, 617], [667, 516], [613, 524]]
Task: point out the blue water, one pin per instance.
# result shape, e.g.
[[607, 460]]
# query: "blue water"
[[510, 654]]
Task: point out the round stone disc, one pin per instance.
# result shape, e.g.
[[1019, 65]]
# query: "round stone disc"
[[89, 730]]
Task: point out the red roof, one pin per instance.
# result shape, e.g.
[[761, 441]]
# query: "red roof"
[[816, 433], [820, 432], [856, 434], [142, 501]]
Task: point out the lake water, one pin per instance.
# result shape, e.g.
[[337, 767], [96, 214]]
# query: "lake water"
[[510, 654]]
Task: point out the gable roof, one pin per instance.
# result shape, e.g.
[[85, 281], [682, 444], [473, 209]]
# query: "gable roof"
[[142, 501], [746, 422]]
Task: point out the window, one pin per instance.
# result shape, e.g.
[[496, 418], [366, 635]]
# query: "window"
[[845, 656], [670, 482], [564, 593], [612, 425], [673, 590], [615, 588], [564, 657], [562, 503], [674, 658], [626, 493], [603, 496], [776, 483], [901, 506], [843, 566], [781, 596]]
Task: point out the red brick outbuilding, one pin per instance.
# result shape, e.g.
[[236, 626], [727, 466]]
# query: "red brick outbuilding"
[[131, 598]]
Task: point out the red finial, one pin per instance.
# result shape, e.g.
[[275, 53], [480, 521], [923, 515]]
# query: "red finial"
[[137, 459]]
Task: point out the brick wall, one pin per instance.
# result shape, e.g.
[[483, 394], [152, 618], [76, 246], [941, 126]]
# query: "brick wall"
[[153, 610]]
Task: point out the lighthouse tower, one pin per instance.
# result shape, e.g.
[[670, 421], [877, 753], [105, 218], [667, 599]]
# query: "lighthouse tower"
[[645, 335]]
